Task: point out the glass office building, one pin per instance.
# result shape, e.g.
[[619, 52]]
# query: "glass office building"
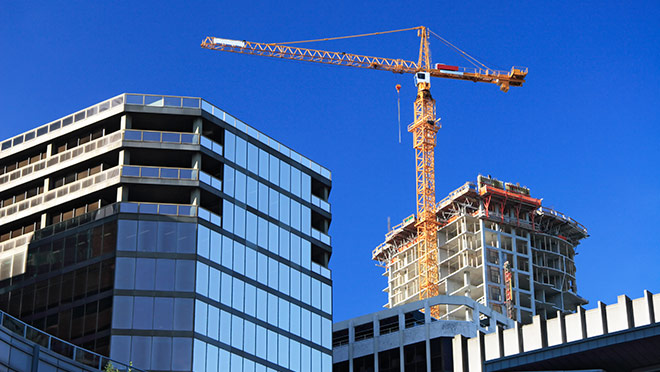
[[163, 231]]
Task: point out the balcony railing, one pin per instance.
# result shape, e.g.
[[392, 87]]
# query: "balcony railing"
[[320, 236], [160, 136], [60, 192], [61, 123], [321, 203], [59, 346], [210, 180], [159, 172], [213, 146], [64, 157]]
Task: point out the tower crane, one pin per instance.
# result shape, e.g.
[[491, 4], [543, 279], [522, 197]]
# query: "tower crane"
[[424, 127]]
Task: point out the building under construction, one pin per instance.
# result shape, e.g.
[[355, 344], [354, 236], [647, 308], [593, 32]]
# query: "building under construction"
[[497, 245]]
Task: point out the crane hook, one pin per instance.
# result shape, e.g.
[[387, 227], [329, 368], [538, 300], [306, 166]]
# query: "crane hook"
[[398, 105]]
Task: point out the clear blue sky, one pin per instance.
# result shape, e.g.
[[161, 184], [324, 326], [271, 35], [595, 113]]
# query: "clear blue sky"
[[583, 132]]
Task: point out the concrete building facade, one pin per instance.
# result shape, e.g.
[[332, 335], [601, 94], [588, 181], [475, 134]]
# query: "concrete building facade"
[[163, 231], [483, 228], [624, 336], [407, 338]]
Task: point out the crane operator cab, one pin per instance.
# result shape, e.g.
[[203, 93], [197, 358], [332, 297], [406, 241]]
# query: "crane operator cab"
[[422, 77]]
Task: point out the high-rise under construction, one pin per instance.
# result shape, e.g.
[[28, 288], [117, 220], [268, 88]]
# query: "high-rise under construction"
[[497, 245]]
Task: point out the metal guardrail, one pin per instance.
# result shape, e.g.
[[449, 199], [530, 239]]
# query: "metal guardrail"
[[59, 346]]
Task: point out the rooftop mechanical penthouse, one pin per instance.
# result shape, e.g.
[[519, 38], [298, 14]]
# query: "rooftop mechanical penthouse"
[[163, 231]]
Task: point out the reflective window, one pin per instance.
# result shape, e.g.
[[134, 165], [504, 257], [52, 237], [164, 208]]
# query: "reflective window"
[[274, 174], [186, 233], [250, 300], [261, 345], [125, 273], [283, 348], [272, 346], [241, 152], [241, 187], [126, 235], [165, 271], [183, 311], [295, 182], [253, 158], [262, 305], [227, 216], [213, 326], [326, 326], [230, 145], [316, 293], [273, 306], [316, 360], [227, 252], [214, 284], [306, 288], [143, 310], [239, 258], [263, 198], [262, 269], [167, 239], [237, 332], [316, 328], [223, 360], [284, 279], [249, 339], [123, 319], [295, 214], [203, 242], [252, 191], [236, 363], [228, 180], [250, 263], [199, 355], [283, 319], [327, 363], [238, 293], [285, 238], [239, 221], [251, 228], [295, 319], [284, 209], [285, 176], [202, 282], [326, 298], [216, 244], [226, 287], [295, 249], [294, 355], [147, 236], [262, 238], [273, 273], [161, 353], [211, 358], [306, 217], [305, 358], [305, 324], [201, 310], [225, 327], [306, 256], [273, 237], [273, 207], [185, 275], [295, 284], [263, 164], [306, 187]]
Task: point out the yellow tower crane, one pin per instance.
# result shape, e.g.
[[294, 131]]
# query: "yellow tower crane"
[[424, 127]]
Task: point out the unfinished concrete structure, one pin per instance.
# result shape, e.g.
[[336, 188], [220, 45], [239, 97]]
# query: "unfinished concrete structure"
[[482, 228]]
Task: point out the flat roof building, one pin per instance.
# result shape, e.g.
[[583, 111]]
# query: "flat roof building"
[[163, 231]]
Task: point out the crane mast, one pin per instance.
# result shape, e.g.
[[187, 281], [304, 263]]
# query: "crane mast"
[[424, 130], [424, 127]]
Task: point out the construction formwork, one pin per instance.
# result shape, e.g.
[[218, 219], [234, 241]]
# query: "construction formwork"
[[482, 226]]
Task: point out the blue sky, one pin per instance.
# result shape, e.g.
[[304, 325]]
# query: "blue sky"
[[582, 133]]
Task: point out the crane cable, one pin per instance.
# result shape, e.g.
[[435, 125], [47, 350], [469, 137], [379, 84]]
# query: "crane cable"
[[398, 106], [460, 52], [347, 37]]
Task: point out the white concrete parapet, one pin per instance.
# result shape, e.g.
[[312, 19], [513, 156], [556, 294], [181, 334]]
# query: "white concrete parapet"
[[471, 353]]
